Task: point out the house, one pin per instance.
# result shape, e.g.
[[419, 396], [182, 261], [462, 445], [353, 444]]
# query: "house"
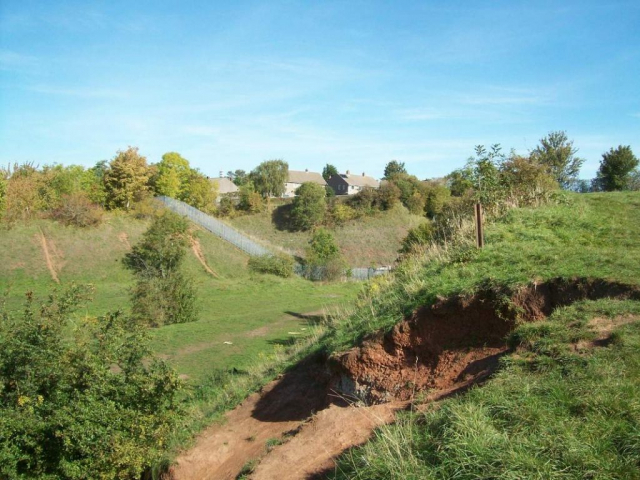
[[297, 178], [349, 184], [225, 187]]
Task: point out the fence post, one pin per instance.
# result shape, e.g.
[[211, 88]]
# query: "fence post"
[[479, 226]]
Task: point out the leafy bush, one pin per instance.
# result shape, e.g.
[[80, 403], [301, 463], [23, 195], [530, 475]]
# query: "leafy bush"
[[421, 235], [76, 209], [279, 264], [388, 195], [227, 207], [324, 261], [162, 247], [82, 402], [416, 204], [341, 213], [162, 294], [250, 200], [309, 206], [158, 301]]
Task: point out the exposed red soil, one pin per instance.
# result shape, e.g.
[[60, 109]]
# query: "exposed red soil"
[[196, 248], [48, 250], [453, 339], [440, 350], [124, 239]]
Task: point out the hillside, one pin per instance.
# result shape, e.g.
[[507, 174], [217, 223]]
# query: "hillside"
[[252, 312], [543, 322], [367, 241]]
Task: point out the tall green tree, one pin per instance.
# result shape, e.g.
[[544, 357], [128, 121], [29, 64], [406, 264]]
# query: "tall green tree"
[[616, 168], [239, 177], [328, 171], [393, 168], [172, 175], [558, 154], [200, 192], [269, 178], [309, 206], [126, 179]]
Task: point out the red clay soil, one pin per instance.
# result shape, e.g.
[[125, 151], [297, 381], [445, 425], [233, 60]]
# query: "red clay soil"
[[454, 339], [442, 349]]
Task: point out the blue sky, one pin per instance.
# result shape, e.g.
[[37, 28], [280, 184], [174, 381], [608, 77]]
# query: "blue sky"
[[355, 84]]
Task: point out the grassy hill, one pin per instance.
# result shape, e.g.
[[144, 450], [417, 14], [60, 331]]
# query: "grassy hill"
[[367, 241], [564, 401], [252, 312]]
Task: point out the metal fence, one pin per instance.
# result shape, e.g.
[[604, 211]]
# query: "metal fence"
[[215, 226], [249, 246]]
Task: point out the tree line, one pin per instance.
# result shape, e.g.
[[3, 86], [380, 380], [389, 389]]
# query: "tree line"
[[78, 195]]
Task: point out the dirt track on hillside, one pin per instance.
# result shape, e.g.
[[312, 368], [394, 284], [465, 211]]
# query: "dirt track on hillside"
[[298, 424]]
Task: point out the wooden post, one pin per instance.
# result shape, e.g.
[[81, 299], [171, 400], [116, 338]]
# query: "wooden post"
[[479, 226]]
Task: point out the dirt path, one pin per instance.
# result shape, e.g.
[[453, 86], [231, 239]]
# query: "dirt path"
[[292, 430], [124, 239], [196, 248], [47, 256]]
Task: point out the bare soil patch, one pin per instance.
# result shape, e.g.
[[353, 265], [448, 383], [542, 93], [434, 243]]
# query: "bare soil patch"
[[49, 251], [124, 239], [196, 248], [324, 406], [454, 339]]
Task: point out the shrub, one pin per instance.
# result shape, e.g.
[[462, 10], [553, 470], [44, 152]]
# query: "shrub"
[[162, 293], [365, 200], [76, 209], [324, 261], [250, 200], [421, 235], [309, 206], [147, 208], [227, 207], [416, 204], [158, 301], [437, 197], [342, 213], [83, 402], [388, 195], [161, 248], [279, 264]]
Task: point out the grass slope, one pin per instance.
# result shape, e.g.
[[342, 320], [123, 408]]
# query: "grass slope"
[[367, 241], [252, 312], [593, 235], [562, 406]]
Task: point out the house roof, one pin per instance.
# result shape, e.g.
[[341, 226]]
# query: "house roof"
[[302, 177], [360, 180], [225, 185]]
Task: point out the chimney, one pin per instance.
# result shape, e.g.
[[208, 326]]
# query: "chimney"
[[348, 172], [363, 174]]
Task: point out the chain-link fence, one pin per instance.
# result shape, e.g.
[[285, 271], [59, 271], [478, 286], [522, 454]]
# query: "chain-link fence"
[[249, 246], [215, 226]]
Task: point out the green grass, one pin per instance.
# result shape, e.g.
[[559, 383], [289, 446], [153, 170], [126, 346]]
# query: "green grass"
[[556, 409], [594, 235], [251, 311], [552, 412], [367, 241]]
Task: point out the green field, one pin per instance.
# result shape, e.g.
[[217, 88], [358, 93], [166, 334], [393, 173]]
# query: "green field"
[[253, 312], [564, 403], [367, 241]]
